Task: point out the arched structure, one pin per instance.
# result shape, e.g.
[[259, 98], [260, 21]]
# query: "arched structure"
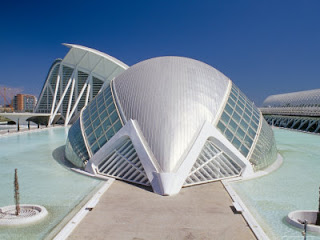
[[72, 82], [310, 98], [297, 110], [171, 122]]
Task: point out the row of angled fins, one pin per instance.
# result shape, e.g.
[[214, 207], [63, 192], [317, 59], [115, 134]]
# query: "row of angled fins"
[[307, 124], [212, 164]]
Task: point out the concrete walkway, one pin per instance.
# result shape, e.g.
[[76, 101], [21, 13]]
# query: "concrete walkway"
[[128, 212]]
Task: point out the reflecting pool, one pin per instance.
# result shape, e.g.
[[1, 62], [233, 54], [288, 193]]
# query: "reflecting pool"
[[42, 180], [294, 186]]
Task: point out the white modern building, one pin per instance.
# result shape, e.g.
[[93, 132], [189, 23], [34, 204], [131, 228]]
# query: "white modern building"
[[296, 110], [166, 122], [73, 81]]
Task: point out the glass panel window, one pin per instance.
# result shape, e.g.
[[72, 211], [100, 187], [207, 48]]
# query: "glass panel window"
[[243, 124], [100, 99], [117, 126], [240, 133], [103, 115], [93, 106], [228, 109], [110, 133], [94, 116], [236, 143], [89, 130], [102, 141], [106, 124], [229, 134], [95, 148], [248, 141], [221, 126], [91, 138], [96, 123], [99, 131], [238, 114], [255, 119], [240, 104], [232, 96], [114, 116], [101, 108], [225, 118], [236, 117], [111, 108], [246, 117], [233, 126], [254, 125], [251, 132], [244, 150], [231, 102], [248, 111], [109, 100], [239, 110]]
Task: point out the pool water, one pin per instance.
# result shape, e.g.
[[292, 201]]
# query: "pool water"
[[42, 180], [294, 186]]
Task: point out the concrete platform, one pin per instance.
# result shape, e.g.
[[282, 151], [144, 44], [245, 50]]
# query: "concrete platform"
[[128, 212]]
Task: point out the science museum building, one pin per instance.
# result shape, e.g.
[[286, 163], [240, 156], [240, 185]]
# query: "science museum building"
[[166, 122]]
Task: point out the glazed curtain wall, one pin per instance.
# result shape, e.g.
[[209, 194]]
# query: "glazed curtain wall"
[[239, 121], [76, 151], [265, 152], [100, 120], [239, 124]]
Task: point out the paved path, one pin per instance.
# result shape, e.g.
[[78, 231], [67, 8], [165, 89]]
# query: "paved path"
[[128, 212]]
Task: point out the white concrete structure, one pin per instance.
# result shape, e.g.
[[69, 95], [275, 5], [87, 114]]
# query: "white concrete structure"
[[310, 98], [29, 213], [171, 122], [298, 219], [23, 118], [296, 110], [73, 81]]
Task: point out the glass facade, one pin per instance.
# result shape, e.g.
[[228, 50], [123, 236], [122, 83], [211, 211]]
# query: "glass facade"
[[76, 151], [46, 99], [265, 151], [124, 163], [239, 121], [212, 164], [45, 102], [100, 120]]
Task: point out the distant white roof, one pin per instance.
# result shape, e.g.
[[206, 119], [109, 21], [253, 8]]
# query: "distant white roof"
[[293, 99]]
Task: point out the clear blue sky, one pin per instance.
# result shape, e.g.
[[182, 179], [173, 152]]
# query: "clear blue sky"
[[265, 47]]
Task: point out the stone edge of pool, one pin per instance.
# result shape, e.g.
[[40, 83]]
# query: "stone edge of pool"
[[253, 224], [77, 218], [25, 131]]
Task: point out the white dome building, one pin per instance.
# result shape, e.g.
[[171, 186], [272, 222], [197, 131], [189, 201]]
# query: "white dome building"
[[170, 122]]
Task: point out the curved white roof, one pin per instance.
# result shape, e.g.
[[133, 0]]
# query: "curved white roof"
[[171, 98], [293, 99], [90, 60]]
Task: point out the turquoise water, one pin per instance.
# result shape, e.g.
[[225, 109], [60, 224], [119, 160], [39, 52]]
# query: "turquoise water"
[[294, 186], [42, 179]]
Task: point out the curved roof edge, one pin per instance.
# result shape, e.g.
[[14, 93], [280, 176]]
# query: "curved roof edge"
[[112, 59], [292, 96]]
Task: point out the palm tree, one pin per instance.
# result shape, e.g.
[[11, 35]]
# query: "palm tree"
[[16, 192]]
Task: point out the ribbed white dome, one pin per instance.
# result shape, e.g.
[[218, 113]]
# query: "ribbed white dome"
[[171, 98], [294, 99]]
